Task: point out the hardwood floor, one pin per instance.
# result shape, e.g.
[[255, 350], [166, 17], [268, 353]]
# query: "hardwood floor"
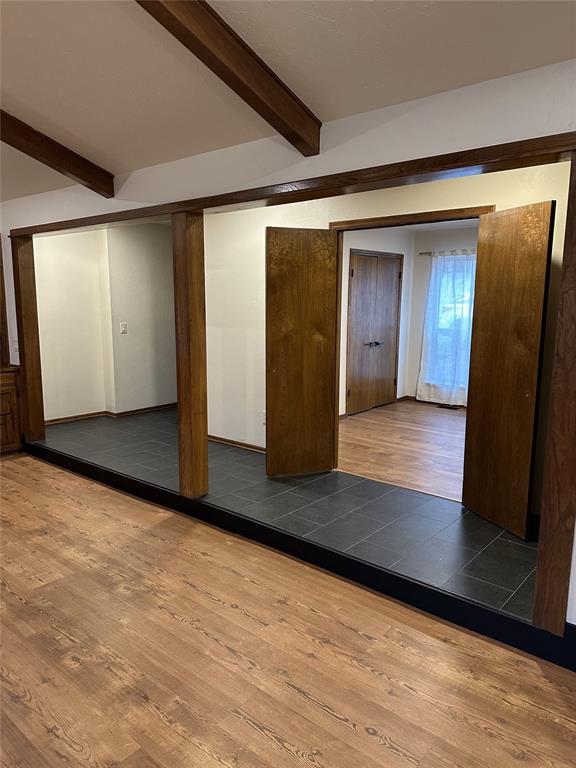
[[412, 444], [135, 637]]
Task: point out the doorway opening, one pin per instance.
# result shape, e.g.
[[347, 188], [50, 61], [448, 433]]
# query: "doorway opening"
[[406, 323]]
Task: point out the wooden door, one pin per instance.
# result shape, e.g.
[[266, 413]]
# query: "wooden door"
[[511, 283], [385, 330], [301, 350], [373, 327], [363, 276]]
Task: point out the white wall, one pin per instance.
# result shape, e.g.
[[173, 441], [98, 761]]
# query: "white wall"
[[527, 105], [142, 294], [393, 240], [71, 315], [425, 242], [87, 283], [235, 254]]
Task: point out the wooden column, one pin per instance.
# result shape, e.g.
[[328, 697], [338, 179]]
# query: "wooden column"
[[190, 311], [558, 509], [28, 338]]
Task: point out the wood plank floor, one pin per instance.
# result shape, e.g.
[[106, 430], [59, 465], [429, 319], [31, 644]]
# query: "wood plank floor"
[[134, 637], [410, 444]]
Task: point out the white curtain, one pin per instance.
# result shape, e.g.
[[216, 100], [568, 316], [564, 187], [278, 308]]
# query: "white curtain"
[[445, 361]]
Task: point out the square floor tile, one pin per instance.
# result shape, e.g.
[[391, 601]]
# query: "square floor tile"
[[521, 603], [479, 591], [372, 553], [230, 501], [293, 524], [433, 565], [344, 532], [442, 509], [327, 485], [406, 532], [276, 506], [502, 563], [367, 490], [327, 509], [260, 491], [471, 532]]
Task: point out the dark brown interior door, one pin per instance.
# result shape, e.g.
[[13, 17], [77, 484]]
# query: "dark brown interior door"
[[301, 350], [363, 277], [511, 279], [373, 326], [385, 330]]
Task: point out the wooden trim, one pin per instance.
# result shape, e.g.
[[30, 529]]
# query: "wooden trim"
[[200, 29], [190, 312], [337, 417], [28, 338], [49, 152], [558, 504], [237, 444], [500, 157], [409, 219], [4, 342], [110, 414]]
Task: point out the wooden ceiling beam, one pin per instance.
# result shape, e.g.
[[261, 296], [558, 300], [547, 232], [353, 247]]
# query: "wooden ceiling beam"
[[49, 152], [198, 27]]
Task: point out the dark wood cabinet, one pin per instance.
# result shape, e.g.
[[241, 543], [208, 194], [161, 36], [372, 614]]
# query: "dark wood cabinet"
[[10, 421]]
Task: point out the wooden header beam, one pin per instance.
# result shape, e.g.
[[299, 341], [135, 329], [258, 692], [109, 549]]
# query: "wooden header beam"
[[198, 27], [501, 157], [41, 147]]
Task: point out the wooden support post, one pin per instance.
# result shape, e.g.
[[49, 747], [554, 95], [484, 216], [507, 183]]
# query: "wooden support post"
[[558, 508], [190, 311], [28, 338]]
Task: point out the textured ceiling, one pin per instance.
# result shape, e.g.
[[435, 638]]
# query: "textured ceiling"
[[105, 79], [351, 56]]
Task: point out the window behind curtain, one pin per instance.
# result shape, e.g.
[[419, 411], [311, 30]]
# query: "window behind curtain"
[[445, 361]]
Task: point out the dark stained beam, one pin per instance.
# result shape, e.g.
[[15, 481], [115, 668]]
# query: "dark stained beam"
[[41, 147], [198, 27]]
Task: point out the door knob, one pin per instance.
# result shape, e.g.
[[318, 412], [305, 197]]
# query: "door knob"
[[377, 343], [368, 343]]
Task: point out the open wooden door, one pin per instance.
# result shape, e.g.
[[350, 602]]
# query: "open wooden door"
[[301, 350], [512, 269]]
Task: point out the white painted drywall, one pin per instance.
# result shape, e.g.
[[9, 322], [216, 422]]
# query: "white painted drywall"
[[74, 347], [393, 240], [87, 283], [142, 295], [425, 242]]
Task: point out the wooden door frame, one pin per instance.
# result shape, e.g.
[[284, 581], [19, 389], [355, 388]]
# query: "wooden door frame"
[[190, 333], [558, 508], [375, 254]]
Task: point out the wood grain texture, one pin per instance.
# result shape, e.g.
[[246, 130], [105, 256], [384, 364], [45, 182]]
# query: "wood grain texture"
[[28, 338], [53, 154], [362, 279], [136, 637], [514, 248], [500, 157], [10, 413], [408, 443], [4, 343], [301, 341], [190, 315], [558, 505], [420, 217], [200, 29], [386, 328]]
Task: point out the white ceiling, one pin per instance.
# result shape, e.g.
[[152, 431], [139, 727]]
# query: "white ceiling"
[[106, 80], [344, 57]]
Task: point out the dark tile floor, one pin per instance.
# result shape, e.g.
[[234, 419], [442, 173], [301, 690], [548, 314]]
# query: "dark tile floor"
[[432, 540]]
